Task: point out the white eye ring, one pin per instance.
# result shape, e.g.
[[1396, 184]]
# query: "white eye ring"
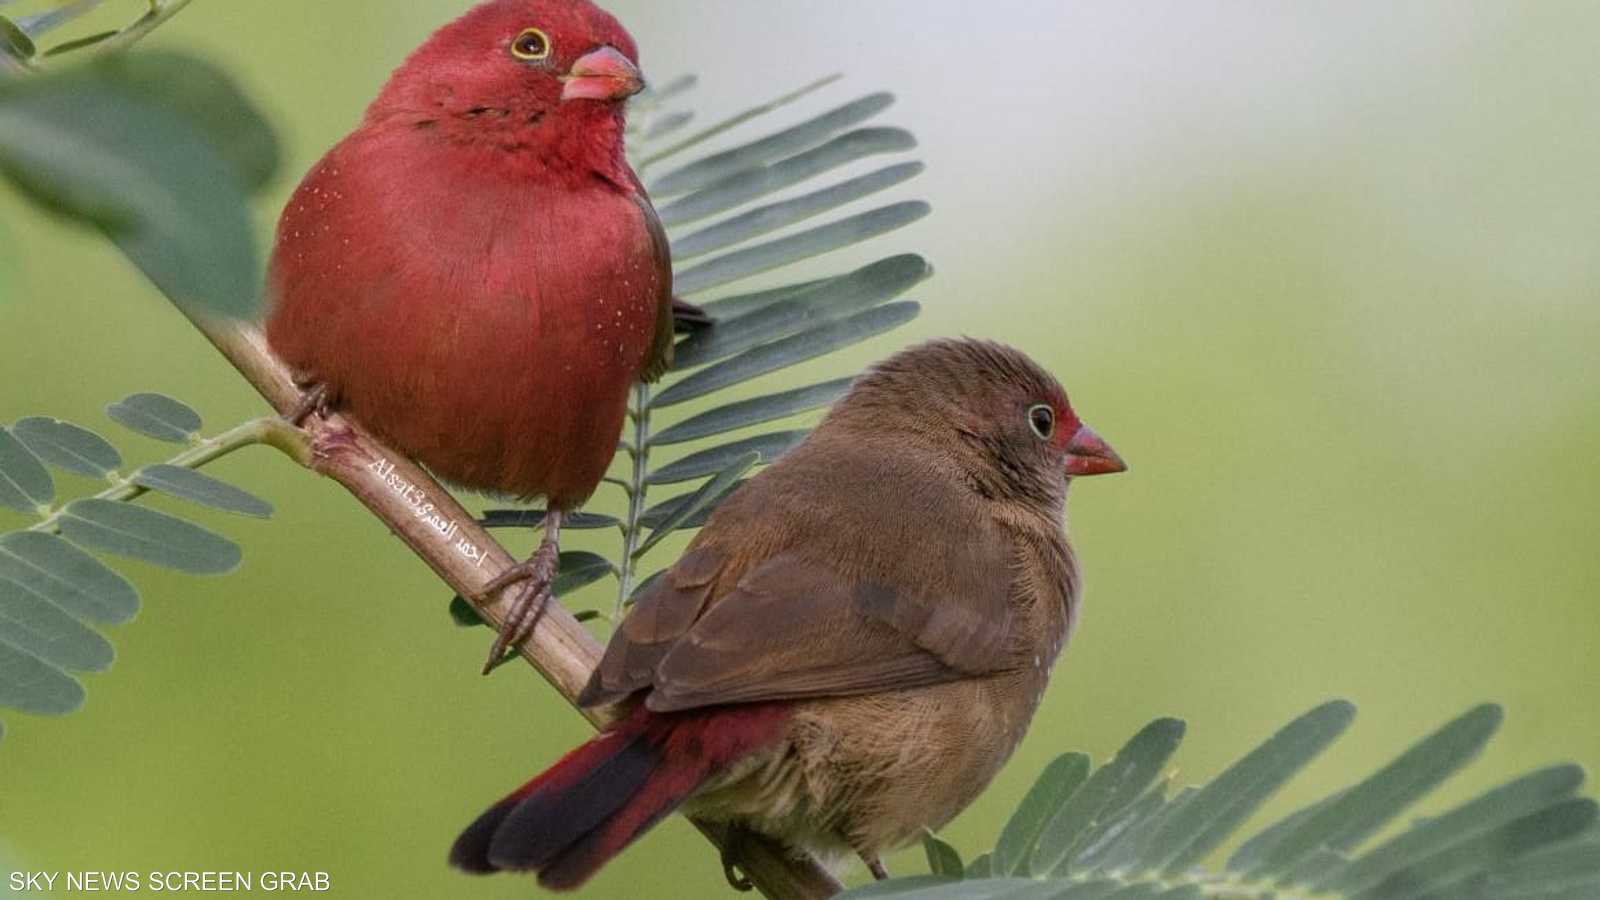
[[532, 45], [1042, 419]]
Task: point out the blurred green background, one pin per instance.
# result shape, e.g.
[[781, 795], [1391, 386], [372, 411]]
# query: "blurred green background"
[[1326, 275]]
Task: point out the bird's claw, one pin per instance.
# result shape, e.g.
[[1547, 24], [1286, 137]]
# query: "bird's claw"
[[736, 879], [536, 576], [875, 866], [733, 840], [315, 397]]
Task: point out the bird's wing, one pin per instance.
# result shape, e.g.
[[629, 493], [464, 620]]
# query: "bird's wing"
[[792, 628], [660, 358]]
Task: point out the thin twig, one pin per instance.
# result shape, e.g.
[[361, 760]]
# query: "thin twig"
[[640, 459], [446, 537], [271, 431], [150, 21]]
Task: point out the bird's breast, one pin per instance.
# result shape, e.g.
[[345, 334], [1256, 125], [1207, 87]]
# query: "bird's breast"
[[490, 327]]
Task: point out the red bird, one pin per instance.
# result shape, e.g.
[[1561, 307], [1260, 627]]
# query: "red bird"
[[476, 274]]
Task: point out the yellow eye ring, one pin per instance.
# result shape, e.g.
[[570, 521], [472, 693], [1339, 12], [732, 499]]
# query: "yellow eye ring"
[[532, 45]]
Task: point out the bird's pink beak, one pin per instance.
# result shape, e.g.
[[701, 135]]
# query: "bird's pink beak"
[[603, 74], [1089, 454]]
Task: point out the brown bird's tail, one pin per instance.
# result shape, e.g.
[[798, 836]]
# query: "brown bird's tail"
[[568, 822]]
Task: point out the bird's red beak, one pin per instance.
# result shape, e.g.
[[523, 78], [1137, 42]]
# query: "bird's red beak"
[[1089, 454], [603, 74]]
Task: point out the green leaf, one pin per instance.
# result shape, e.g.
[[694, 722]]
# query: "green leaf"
[[577, 569], [1368, 806], [14, 42], [789, 351], [108, 145], [1132, 851], [667, 125], [738, 304], [1064, 775], [864, 288], [1445, 871], [754, 411], [708, 495], [464, 614], [200, 488], [1223, 805], [1106, 835], [776, 216], [781, 215], [25, 484], [28, 620], [767, 447], [33, 686], [732, 122], [896, 887], [942, 858], [1567, 866], [67, 576], [207, 98], [51, 19], [982, 866], [1263, 843], [1111, 787], [652, 97], [144, 534], [80, 43], [666, 509], [934, 887], [534, 518], [67, 446], [157, 416], [822, 239], [1144, 891], [787, 142], [752, 184], [580, 569], [1525, 795]]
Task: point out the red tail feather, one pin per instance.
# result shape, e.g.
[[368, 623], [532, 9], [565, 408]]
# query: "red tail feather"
[[569, 821]]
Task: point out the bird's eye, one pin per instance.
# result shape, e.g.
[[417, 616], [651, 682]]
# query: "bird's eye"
[[1042, 419], [532, 44]]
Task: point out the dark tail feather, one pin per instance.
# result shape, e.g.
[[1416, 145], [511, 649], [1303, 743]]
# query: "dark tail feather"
[[588, 807], [548, 823], [663, 791], [472, 850]]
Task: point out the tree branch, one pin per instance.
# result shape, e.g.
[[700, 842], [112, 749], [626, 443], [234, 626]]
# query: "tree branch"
[[446, 537]]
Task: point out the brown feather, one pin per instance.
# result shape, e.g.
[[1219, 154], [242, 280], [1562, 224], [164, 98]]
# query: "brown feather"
[[901, 579]]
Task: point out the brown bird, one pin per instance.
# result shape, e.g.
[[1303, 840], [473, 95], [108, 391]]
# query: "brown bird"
[[855, 642]]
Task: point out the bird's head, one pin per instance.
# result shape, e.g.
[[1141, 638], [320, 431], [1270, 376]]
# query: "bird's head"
[[1000, 417], [511, 70]]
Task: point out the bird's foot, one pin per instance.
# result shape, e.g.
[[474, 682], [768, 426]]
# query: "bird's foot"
[[875, 866], [733, 841], [536, 577], [315, 397]]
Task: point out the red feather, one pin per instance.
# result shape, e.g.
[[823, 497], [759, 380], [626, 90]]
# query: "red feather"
[[572, 819], [474, 272]]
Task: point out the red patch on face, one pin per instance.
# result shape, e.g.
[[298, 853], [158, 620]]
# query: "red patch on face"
[[1067, 423]]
